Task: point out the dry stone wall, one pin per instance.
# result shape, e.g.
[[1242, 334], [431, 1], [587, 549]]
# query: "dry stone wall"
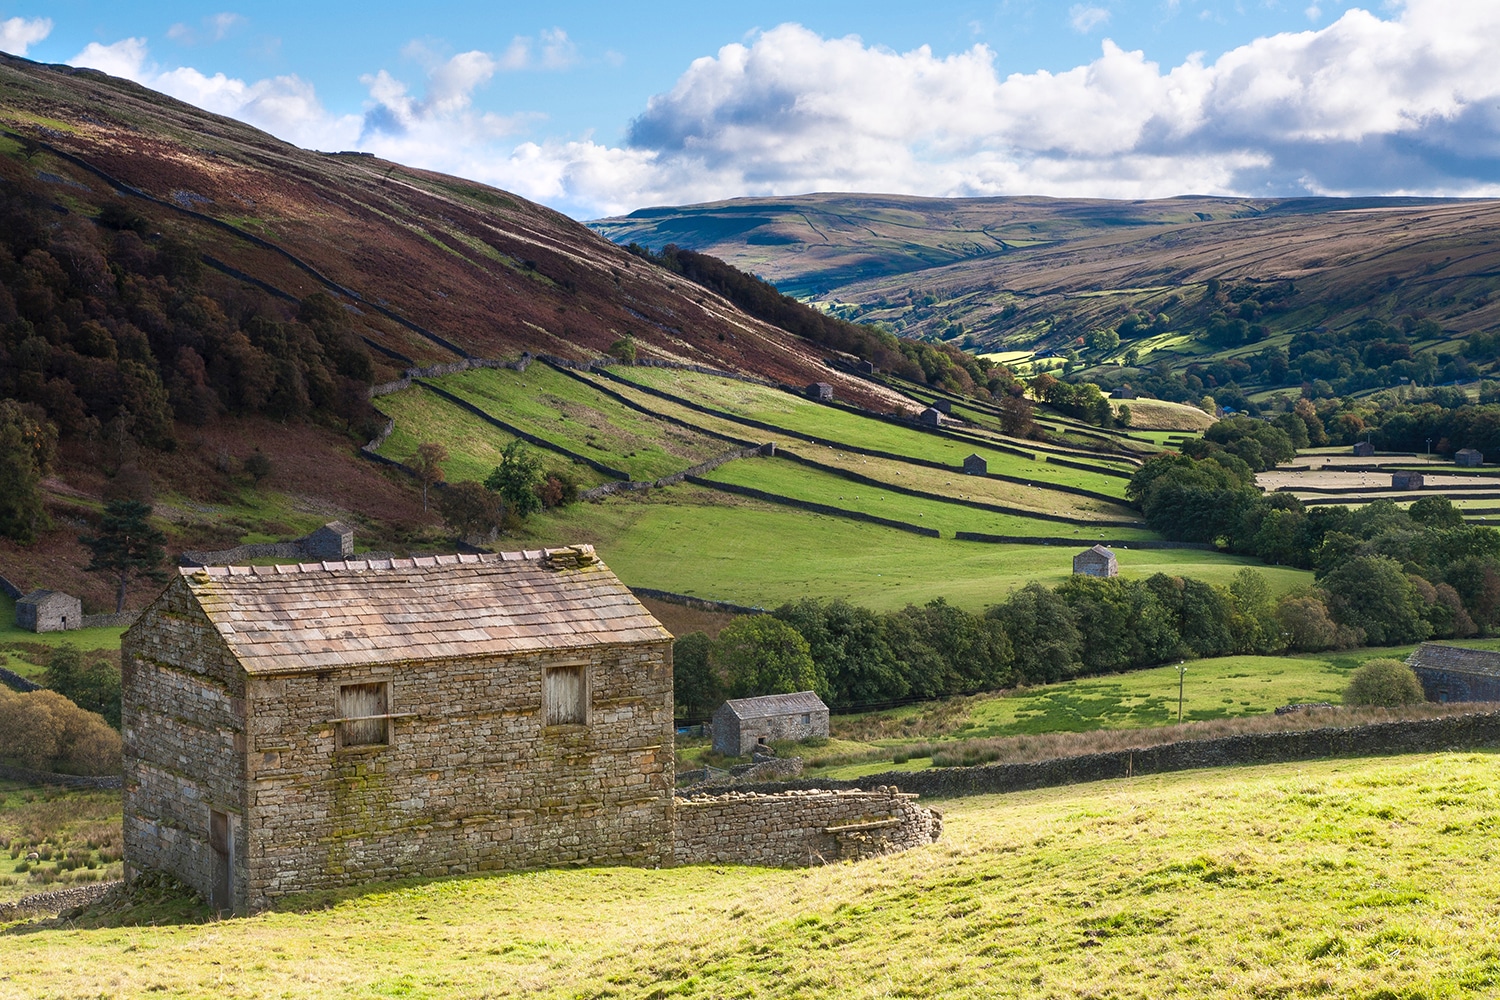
[[471, 778], [798, 828]]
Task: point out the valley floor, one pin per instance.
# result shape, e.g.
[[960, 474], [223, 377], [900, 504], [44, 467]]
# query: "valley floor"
[[1357, 878]]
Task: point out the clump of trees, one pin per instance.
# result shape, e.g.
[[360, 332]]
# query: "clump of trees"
[[92, 684], [514, 490], [44, 730]]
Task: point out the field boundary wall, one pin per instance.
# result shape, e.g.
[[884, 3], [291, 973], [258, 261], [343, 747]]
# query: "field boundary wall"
[[11, 590], [816, 508], [56, 901], [16, 682], [1461, 732], [697, 603], [26, 774], [1131, 543]]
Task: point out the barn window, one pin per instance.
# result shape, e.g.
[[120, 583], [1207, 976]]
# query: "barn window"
[[565, 697], [807, 718], [364, 714]]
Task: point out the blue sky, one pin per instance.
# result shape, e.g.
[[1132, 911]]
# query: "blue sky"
[[598, 108]]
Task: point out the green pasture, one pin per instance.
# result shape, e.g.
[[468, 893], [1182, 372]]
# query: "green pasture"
[[816, 486], [559, 409], [691, 541], [14, 638], [833, 424], [474, 447], [1362, 878]]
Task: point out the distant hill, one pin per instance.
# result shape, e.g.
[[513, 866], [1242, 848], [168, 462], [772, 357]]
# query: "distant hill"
[[1040, 273]]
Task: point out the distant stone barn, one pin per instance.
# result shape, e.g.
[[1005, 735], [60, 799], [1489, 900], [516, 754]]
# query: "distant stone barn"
[[49, 611], [975, 465], [1363, 449], [289, 728], [820, 391], [1469, 457], [741, 723], [1406, 481], [943, 406], [1453, 673], [930, 417], [1096, 561]]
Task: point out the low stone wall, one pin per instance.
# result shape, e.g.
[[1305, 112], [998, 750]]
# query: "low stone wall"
[[796, 828], [1140, 543], [700, 603], [31, 777], [122, 619], [56, 901], [816, 508], [16, 682], [11, 590]]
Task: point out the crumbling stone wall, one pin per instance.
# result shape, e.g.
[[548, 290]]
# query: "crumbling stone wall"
[[797, 828]]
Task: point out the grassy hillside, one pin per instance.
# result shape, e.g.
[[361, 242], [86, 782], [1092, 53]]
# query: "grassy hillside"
[[1361, 878]]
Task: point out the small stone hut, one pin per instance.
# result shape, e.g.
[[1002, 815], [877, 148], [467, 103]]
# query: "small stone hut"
[[49, 611], [1406, 480], [1452, 673], [1363, 449], [820, 391], [930, 417], [975, 465], [299, 727], [741, 723], [865, 367], [1096, 561], [1470, 457], [333, 541], [943, 406]]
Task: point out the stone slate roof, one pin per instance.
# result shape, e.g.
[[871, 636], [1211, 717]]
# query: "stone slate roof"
[[337, 527], [1455, 659], [37, 597], [1098, 550], [310, 616], [769, 705]]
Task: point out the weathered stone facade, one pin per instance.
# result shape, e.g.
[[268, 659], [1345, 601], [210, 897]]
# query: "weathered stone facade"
[[1407, 481], [49, 611], [1096, 561], [244, 781], [800, 827], [741, 723], [1454, 673]]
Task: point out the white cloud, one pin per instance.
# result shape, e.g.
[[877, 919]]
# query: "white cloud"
[[1085, 17], [19, 34]]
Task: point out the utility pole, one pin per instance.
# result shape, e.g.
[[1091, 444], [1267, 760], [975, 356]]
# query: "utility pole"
[[1181, 673]]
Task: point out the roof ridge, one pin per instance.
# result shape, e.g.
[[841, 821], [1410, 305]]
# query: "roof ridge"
[[565, 557]]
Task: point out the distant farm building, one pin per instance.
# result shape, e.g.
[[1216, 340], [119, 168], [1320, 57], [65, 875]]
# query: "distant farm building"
[[1096, 561], [1406, 480], [821, 391], [333, 541], [1363, 449], [1123, 392], [1452, 673], [742, 723], [975, 465], [930, 417], [943, 406], [49, 611], [300, 727], [865, 367], [1471, 457]]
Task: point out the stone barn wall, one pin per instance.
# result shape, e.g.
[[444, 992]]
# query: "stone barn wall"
[[1457, 685], [471, 778], [796, 828]]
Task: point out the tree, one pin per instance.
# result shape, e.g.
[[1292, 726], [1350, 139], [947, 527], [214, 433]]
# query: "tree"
[[26, 446], [470, 509], [126, 546], [1372, 593], [45, 730], [1015, 413], [516, 479], [756, 654], [1384, 683], [427, 463], [93, 687], [1043, 632], [257, 465], [695, 687], [624, 349]]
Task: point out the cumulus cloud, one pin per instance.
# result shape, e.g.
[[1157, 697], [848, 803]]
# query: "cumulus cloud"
[[1085, 17], [18, 34]]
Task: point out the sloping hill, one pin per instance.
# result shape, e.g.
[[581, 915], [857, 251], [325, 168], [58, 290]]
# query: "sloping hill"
[[1042, 271], [433, 266]]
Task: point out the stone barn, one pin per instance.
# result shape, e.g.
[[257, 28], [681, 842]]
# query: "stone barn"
[[865, 367], [1452, 673], [943, 406], [1363, 449], [975, 465], [1096, 561], [1406, 480], [49, 611], [741, 723], [298, 727], [820, 391], [1470, 457], [930, 417], [333, 541]]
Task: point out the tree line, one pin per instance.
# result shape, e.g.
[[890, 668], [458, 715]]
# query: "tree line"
[[856, 657]]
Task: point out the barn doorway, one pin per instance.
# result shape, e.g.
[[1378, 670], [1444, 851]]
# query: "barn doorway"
[[221, 840]]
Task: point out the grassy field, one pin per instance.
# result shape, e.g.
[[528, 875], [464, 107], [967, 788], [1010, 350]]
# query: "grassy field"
[[1359, 878], [1159, 415], [75, 833], [21, 650], [688, 541], [816, 486]]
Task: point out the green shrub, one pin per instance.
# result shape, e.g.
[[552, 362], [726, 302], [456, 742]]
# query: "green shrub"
[[1384, 683]]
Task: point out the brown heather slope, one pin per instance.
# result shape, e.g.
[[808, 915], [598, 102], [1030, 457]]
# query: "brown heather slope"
[[1041, 271], [486, 271]]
